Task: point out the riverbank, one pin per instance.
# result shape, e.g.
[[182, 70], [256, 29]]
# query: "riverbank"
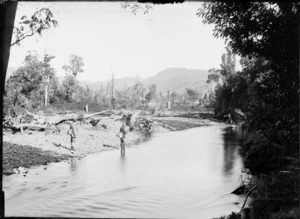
[[32, 148]]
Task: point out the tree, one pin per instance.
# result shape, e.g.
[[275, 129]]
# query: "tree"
[[265, 35], [256, 28], [228, 63], [25, 86], [152, 93], [139, 89], [40, 21], [48, 73], [174, 96], [192, 94], [70, 86], [113, 99], [56, 91], [75, 66]]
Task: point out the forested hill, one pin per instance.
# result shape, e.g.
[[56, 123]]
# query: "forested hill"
[[173, 79], [178, 79], [120, 83]]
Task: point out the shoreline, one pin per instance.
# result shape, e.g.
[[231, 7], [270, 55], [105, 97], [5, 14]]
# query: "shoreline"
[[33, 148]]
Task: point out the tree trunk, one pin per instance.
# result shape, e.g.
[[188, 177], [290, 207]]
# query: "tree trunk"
[[138, 98], [169, 100], [46, 95], [47, 90]]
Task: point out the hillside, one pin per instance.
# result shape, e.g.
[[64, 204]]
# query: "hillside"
[[120, 83], [179, 79], [173, 79]]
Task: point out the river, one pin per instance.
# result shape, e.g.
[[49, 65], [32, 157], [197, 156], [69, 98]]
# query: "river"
[[184, 174]]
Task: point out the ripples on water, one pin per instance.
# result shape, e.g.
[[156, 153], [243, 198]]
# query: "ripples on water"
[[189, 173]]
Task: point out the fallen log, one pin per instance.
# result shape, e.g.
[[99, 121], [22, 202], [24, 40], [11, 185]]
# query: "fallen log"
[[21, 127], [55, 120]]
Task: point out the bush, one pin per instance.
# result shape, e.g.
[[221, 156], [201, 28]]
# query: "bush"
[[276, 195], [260, 155]]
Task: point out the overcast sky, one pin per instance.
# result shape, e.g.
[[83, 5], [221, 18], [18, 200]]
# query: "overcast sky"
[[110, 38]]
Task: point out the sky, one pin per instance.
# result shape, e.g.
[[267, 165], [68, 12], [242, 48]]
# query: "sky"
[[111, 39]]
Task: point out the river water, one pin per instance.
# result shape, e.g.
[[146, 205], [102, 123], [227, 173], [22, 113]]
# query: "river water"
[[184, 174]]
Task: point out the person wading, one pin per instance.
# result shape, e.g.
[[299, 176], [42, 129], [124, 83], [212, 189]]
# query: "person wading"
[[72, 133], [124, 131]]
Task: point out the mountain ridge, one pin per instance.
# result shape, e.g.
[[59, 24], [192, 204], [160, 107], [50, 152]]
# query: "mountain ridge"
[[172, 79]]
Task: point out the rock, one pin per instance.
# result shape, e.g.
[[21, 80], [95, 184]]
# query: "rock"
[[240, 190]]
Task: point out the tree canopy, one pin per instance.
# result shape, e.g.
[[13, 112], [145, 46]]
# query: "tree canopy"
[[75, 66]]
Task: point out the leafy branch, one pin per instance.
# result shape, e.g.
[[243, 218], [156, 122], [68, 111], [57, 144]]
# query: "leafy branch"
[[41, 20], [135, 7]]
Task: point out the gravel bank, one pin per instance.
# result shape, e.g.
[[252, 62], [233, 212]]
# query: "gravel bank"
[[37, 148]]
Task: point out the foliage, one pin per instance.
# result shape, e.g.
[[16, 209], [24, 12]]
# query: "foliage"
[[139, 90], [70, 85], [233, 215], [174, 96], [192, 94], [152, 93], [25, 86], [255, 28], [135, 7], [277, 194], [265, 35], [213, 76], [228, 63], [40, 21], [269, 80], [75, 66]]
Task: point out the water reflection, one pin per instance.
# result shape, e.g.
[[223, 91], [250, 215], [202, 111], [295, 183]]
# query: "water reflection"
[[232, 139], [74, 164], [122, 152], [123, 161]]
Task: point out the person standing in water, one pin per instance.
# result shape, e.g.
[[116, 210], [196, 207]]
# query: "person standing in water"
[[123, 131], [72, 134]]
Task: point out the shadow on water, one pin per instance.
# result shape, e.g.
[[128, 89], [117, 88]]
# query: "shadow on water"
[[232, 141]]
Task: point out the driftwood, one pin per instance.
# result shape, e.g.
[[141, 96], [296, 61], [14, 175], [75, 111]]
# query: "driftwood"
[[22, 126], [248, 193], [50, 122], [55, 120]]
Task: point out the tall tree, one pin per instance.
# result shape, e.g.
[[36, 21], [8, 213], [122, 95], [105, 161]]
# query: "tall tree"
[[268, 32], [48, 73], [228, 63], [24, 86], [70, 86], [139, 89], [76, 65], [113, 99]]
